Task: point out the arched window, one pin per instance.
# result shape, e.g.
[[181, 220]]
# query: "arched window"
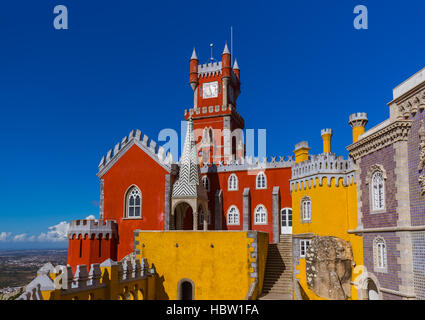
[[233, 182], [233, 216], [380, 254], [201, 217], [206, 183], [378, 191], [261, 181], [260, 215], [306, 210], [134, 203]]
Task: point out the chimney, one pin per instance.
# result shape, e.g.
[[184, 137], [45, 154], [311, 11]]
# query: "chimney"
[[301, 152], [327, 136]]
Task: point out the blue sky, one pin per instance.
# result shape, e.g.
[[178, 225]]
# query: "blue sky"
[[67, 96]]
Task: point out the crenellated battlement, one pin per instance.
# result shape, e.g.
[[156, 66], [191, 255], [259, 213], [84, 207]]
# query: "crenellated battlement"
[[214, 110], [248, 163], [103, 281], [96, 228], [325, 165], [135, 137], [358, 119], [208, 69]]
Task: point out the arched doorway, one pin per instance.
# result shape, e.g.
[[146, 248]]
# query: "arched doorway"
[[185, 290], [372, 290], [183, 215]]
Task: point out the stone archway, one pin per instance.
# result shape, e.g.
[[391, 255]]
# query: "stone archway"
[[186, 290], [183, 216]]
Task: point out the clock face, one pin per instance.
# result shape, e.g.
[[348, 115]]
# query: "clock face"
[[210, 90]]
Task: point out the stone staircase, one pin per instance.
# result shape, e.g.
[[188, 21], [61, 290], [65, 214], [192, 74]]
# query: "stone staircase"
[[278, 279]]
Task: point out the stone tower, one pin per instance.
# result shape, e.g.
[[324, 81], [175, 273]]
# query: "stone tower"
[[217, 125]]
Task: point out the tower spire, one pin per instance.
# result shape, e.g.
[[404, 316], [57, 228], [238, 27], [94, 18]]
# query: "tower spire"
[[194, 56]]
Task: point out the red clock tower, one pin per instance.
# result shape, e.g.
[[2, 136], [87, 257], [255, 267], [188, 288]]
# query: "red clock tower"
[[216, 122]]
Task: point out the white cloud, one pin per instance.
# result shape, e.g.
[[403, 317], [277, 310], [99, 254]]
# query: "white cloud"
[[20, 237], [4, 236], [55, 233]]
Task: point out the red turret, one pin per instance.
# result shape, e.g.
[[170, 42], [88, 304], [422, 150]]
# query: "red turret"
[[236, 70], [226, 62], [194, 70]]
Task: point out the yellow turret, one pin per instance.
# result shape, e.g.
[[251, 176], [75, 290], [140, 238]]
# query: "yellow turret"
[[327, 136], [358, 122]]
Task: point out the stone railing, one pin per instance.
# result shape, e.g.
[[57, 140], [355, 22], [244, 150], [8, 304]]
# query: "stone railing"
[[248, 163], [106, 279]]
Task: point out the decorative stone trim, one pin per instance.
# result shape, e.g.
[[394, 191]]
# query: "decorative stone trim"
[[395, 131], [325, 165], [248, 163], [127, 142], [372, 169]]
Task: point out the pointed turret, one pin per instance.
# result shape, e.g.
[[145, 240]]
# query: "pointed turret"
[[194, 56], [193, 77], [226, 62], [226, 49], [236, 69]]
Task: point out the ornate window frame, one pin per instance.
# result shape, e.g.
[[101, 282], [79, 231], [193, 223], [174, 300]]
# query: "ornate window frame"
[[306, 203], [235, 185], [235, 222], [380, 257], [371, 173], [260, 221], [261, 187], [127, 203]]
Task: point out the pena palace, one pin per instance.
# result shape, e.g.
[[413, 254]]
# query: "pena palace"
[[218, 224]]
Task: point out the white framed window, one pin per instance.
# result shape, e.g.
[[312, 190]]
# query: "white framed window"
[[233, 183], [260, 215], [133, 203], [378, 191], [306, 210], [261, 181], [380, 254], [233, 216], [206, 183], [304, 244]]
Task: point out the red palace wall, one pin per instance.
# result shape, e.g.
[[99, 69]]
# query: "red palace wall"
[[247, 179], [134, 168], [86, 250]]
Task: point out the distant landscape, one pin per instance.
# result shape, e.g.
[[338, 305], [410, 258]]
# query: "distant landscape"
[[19, 267]]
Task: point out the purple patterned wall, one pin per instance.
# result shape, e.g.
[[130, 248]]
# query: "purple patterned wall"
[[384, 157], [389, 279]]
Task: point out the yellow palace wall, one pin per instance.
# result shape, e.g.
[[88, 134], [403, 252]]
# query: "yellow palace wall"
[[333, 212], [219, 263]]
